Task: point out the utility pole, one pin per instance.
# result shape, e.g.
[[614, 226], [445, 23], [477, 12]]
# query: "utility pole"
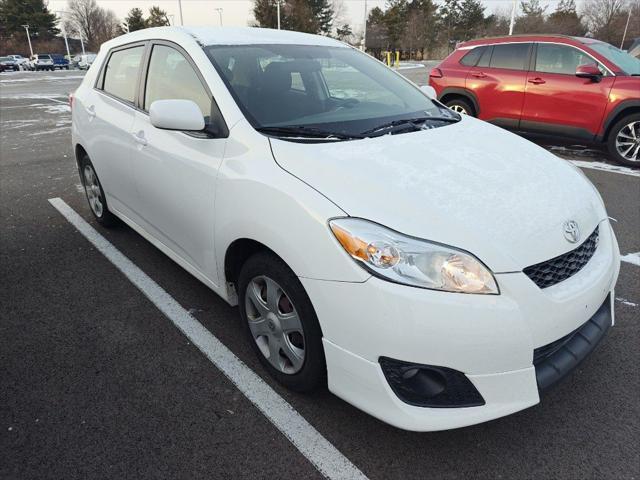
[[513, 17], [26, 27], [219, 10], [624, 35], [278, 7], [64, 32], [364, 35], [180, 12], [81, 43]]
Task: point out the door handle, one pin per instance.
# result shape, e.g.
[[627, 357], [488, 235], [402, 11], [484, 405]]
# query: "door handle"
[[536, 81], [139, 138], [479, 75], [91, 111]]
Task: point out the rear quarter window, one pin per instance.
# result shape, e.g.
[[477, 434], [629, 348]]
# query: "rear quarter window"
[[471, 57]]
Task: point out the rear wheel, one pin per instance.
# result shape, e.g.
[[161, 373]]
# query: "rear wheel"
[[281, 323], [95, 194], [460, 105], [624, 141]]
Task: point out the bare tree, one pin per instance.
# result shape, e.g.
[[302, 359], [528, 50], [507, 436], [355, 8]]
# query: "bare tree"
[[93, 23], [605, 18]]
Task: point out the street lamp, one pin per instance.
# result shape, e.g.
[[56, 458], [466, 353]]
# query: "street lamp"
[[180, 12], [64, 33], [626, 27], [26, 27], [513, 17], [364, 35], [278, 7], [219, 10]]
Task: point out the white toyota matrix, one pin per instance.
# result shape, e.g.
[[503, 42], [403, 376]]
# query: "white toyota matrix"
[[433, 270]]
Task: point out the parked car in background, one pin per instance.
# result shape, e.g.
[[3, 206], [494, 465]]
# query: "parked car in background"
[[634, 49], [41, 61], [22, 61], [8, 63], [85, 61], [434, 270], [577, 88], [60, 61]]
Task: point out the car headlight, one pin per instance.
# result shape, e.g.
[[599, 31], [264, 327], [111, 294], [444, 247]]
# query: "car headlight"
[[402, 259]]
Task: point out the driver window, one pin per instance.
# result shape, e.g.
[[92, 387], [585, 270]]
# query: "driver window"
[[171, 76], [562, 59]]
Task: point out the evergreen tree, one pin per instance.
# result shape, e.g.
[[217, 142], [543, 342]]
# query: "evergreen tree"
[[344, 33], [471, 20], [15, 13], [532, 19], [157, 18], [311, 16], [135, 20], [566, 20]]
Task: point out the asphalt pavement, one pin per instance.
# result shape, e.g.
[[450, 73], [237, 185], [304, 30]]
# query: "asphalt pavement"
[[96, 382]]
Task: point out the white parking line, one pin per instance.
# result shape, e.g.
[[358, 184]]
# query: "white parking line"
[[606, 167], [318, 450], [633, 258]]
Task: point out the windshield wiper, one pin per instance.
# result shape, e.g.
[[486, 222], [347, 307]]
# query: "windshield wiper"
[[415, 123], [309, 132]]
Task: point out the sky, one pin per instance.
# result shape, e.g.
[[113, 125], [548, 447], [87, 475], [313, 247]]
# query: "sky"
[[239, 12]]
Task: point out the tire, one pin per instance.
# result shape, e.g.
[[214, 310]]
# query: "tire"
[[95, 194], [308, 374], [621, 137], [462, 106]]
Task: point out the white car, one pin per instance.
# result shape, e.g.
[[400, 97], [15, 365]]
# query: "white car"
[[41, 61], [21, 61], [433, 270], [84, 61]]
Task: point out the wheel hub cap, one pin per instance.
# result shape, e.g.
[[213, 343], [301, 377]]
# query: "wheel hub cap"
[[628, 142], [275, 325], [92, 189]]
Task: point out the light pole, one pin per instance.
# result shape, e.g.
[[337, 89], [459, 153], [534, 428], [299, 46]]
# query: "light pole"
[[624, 35], [219, 10], [364, 35], [513, 17], [64, 33], [26, 27], [278, 7], [180, 12], [171, 19]]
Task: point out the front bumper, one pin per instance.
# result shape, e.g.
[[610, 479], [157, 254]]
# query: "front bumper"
[[489, 338]]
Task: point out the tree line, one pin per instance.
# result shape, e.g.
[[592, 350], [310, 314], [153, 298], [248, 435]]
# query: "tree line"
[[422, 28]]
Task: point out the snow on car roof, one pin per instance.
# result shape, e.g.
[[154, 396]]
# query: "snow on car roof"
[[252, 35]]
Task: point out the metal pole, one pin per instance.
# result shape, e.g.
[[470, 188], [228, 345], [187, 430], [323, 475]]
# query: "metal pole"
[[180, 12], [364, 35], [64, 33], [513, 17], [219, 10], [26, 27], [624, 35], [278, 6], [172, 19], [82, 44]]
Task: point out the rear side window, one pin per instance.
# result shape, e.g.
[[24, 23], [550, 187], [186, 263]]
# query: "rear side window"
[[562, 59], [121, 73], [171, 76], [486, 57], [513, 56], [472, 57]]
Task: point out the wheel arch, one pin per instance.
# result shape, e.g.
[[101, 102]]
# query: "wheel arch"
[[628, 107], [456, 92], [238, 252]]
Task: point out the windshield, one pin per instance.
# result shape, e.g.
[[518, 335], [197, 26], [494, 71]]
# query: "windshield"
[[624, 61], [314, 87]]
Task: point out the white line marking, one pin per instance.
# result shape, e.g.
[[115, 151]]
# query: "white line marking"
[[322, 454], [59, 101], [606, 167], [633, 258], [624, 301]]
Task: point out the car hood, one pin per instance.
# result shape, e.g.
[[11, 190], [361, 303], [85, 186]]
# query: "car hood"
[[470, 185]]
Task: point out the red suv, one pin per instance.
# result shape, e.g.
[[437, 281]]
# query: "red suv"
[[574, 88]]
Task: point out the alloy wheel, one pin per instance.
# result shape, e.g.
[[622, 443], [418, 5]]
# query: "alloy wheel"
[[92, 188], [275, 324], [459, 109], [628, 142]]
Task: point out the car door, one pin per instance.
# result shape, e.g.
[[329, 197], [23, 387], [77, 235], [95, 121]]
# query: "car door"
[[498, 81], [175, 171], [556, 101], [107, 113]]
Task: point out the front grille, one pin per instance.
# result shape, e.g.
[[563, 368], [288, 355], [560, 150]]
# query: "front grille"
[[560, 268]]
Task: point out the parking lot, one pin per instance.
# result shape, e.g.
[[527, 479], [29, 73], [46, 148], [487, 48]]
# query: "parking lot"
[[97, 382]]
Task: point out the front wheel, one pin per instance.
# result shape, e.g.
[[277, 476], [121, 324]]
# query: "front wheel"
[[624, 141], [281, 323]]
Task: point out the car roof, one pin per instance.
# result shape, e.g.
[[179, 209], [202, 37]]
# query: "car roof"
[[207, 36]]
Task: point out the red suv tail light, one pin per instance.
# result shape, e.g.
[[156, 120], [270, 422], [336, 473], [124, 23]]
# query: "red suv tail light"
[[435, 73]]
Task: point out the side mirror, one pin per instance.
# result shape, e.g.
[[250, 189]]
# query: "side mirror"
[[183, 115], [589, 70], [429, 91]]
